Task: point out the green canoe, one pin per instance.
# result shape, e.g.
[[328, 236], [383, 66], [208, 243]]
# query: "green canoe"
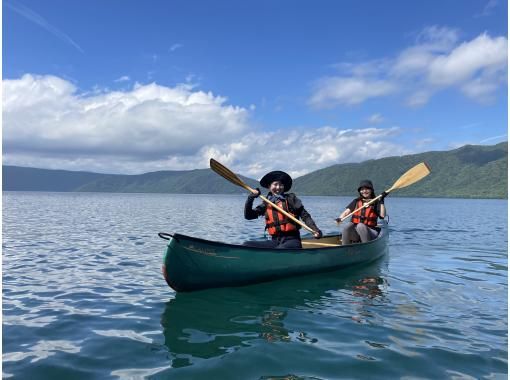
[[191, 263]]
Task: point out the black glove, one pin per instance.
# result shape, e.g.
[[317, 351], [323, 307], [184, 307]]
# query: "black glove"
[[320, 234], [383, 195], [253, 196], [338, 220]]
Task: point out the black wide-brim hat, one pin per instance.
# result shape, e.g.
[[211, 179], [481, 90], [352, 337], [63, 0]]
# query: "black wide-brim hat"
[[366, 183], [277, 175]]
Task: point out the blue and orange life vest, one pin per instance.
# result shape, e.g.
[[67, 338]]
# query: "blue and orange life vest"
[[276, 222], [366, 215]]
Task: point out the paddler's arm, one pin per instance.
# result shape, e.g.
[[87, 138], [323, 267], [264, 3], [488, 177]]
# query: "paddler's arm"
[[304, 215], [346, 212], [350, 207], [382, 207], [249, 211], [307, 218]]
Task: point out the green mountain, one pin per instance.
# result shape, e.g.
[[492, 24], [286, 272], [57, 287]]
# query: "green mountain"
[[199, 181], [469, 172], [16, 178]]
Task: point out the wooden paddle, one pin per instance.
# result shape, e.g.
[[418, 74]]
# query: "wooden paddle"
[[230, 176], [413, 175]]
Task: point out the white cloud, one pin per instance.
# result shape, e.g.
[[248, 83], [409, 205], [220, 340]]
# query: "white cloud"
[[174, 47], [364, 69], [435, 38], [45, 114], [123, 78], [48, 124], [411, 62], [494, 139], [376, 118], [471, 125], [489, 8], [418, 98], [477, 68], [333, 91], [481, 88], [304, 151], [415, 60], [483, 56], [252, 155]]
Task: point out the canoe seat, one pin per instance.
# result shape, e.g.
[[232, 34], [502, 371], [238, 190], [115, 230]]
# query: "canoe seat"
[[325, 242]]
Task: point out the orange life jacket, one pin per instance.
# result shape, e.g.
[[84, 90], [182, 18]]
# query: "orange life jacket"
[[276, 222], [366, 215]]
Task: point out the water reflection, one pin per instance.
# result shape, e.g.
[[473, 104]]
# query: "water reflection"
[[215, 322], [370, 287]]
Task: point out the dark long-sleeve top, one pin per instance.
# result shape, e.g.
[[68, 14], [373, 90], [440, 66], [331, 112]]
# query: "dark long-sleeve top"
[[295, 207]]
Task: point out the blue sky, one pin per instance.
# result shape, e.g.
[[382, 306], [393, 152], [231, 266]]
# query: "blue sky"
[[129, 86]]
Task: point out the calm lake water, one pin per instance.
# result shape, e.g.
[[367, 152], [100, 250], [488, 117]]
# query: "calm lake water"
[[84, 298]]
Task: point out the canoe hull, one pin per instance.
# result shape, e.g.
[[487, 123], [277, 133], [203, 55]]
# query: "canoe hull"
[[192, 264]]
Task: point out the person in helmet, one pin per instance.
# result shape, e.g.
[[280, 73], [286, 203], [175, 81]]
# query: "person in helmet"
[[362, 226], [284, 232]]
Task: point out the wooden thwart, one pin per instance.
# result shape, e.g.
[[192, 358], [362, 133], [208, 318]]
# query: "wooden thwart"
[[317, 244]]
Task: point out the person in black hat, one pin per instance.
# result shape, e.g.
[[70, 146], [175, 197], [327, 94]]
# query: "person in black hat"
[[363, 225], [284, 232]]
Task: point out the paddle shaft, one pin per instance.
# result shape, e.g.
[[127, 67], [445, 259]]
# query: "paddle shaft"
[[288, 215], [360, 208]]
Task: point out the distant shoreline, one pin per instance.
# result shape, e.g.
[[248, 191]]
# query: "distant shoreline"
[[231, 194], [469, 172]]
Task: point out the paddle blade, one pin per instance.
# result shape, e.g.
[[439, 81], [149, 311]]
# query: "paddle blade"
[[413, 175], [227, 174]]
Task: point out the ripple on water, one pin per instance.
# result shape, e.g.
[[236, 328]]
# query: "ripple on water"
[[84, 297]]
